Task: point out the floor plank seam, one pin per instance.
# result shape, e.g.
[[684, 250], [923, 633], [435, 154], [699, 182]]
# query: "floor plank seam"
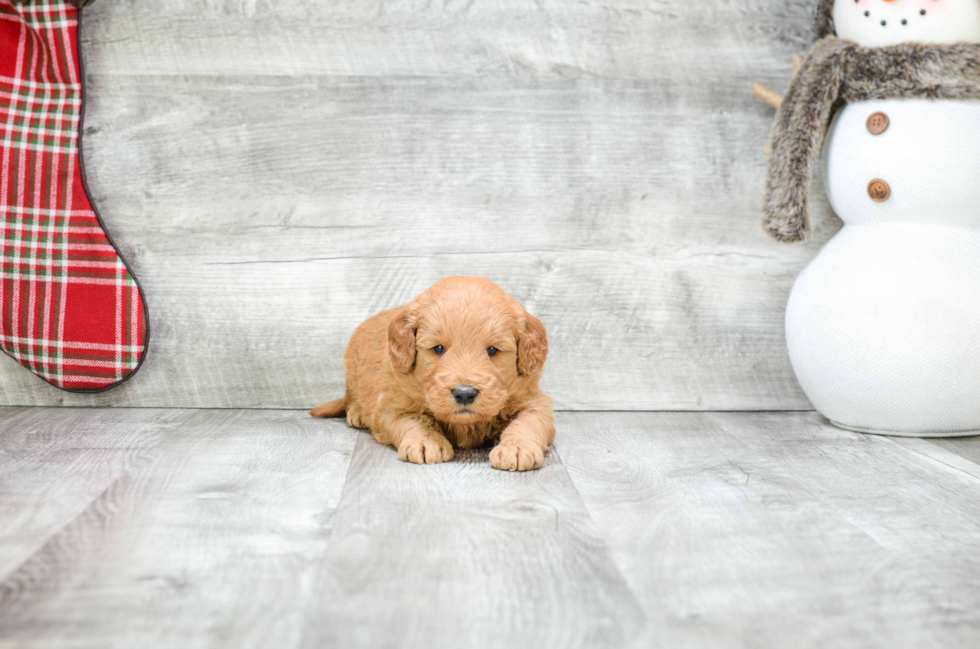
[[605, 544], [54, 535], [290, 409], [936, 454], [127, 473]]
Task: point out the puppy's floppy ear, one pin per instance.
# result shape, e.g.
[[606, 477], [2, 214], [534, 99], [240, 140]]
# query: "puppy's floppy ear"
[[532, 347], [401, 343]]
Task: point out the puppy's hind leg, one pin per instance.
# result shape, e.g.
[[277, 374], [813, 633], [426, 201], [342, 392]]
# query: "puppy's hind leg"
[[335, 408]]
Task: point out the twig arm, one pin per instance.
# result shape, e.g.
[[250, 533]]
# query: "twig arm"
[[768, 95]]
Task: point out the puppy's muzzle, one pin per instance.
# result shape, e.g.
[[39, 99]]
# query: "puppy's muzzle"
[[465, 394]]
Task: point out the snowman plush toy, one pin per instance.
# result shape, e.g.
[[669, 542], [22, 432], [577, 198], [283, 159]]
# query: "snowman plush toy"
[[883, 327]]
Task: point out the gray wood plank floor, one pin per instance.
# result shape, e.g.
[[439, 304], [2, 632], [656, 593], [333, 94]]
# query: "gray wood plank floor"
[[219, 528], [278, 170]]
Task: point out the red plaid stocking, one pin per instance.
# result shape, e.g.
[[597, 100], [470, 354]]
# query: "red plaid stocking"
[[70, 310]]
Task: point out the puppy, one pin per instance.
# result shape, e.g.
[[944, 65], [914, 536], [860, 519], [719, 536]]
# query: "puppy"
[[459, 366]]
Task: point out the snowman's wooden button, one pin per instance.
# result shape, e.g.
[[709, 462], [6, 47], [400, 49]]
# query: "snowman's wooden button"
[[878, 123], [879, 191]]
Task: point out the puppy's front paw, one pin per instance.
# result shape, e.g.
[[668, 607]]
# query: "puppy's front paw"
[[516, 456], [425, 449]]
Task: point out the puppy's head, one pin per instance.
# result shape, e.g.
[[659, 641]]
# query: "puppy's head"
[[470, 346]]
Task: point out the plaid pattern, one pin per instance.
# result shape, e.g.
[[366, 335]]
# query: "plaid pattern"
[[70, 311]]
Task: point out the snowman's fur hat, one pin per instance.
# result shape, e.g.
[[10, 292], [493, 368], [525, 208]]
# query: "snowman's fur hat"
[[836, 72]]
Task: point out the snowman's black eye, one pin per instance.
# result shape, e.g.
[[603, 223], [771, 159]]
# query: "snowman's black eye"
[[905, 22], [492, 351], [867, 13], [884, 22], [439, 349], [922, 13]]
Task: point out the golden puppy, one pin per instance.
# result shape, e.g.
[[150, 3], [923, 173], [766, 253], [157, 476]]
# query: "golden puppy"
[[458, 366]]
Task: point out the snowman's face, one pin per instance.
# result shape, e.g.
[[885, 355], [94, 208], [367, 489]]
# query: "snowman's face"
[[876, 23]]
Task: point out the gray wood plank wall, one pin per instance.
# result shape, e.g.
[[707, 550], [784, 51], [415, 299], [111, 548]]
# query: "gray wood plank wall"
[[276, 171]]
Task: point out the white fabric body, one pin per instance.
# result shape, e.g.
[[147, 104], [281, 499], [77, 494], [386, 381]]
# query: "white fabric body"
[[929, 156], [883, 327], [876, 23]]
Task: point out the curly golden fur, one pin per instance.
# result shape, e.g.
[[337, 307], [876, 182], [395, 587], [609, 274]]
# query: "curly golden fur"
[[403, 366]]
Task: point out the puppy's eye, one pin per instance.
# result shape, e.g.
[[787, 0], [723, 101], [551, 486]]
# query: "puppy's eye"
[[439, 349], [492, 351]]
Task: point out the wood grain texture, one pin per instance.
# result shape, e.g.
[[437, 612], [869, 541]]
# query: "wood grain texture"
[[55, 463], [461, 555], [211, 542], [619, 39], [278, 171], [130, 528], [777, 530], [234, 533]]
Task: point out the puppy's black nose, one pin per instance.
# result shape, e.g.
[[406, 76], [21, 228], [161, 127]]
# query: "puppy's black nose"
[[465, 395]]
